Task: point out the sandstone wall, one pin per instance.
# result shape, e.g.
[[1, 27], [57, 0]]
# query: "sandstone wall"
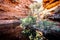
[[10, 8]]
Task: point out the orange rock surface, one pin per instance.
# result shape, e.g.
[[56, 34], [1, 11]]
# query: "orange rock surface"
[[50, 3], [14, 8]]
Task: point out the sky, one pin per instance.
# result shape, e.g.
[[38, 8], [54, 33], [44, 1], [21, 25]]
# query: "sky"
[[38, 0]]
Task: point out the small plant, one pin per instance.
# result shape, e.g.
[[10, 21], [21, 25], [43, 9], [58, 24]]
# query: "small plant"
[[29, 28]]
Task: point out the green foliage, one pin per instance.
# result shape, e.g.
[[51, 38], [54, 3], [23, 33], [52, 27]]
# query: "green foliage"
[[28, 21], [29, 29], [30, 32], [48, 25]]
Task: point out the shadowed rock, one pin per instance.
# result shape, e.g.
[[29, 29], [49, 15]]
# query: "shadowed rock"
[[9, 23]]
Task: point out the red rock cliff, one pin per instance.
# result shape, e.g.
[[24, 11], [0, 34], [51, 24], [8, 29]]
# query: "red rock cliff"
[[13, 8]]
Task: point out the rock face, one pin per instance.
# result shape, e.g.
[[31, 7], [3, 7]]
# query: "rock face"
[[10, 30], [50, 3], [10, 13], [14, 8]]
